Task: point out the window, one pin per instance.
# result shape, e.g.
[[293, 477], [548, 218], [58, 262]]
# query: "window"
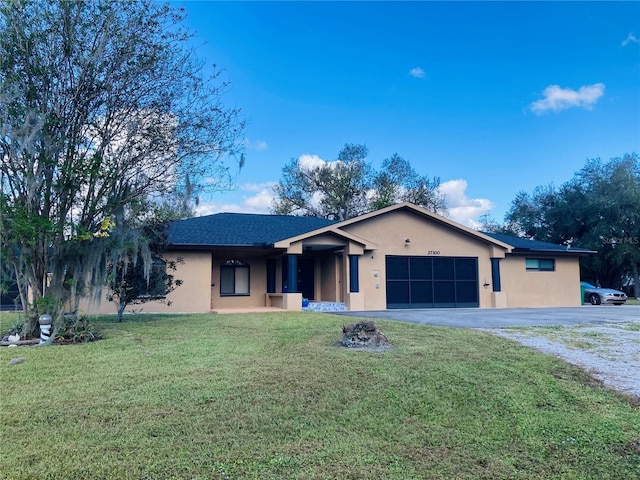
[[157, 280], [540, 264], [234, 278]]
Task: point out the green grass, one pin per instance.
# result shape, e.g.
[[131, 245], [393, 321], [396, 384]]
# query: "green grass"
[[270, 396]]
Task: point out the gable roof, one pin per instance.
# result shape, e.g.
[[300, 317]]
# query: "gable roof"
[[240, 229], [525, 245], [423, 212], [262, 230], [331, 230]]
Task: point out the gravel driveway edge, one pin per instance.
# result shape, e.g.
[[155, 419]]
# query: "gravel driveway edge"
[[609, 352]]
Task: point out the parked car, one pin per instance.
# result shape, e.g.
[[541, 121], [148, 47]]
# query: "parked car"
[[596, 296]]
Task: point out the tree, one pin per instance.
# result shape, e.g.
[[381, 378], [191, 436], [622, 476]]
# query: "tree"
[[599, 209], [130, 284], [609, 196], [398, 182], [349, 187], [140, 274], [491, 225], [334, 190], [538, 215], [102, 105]]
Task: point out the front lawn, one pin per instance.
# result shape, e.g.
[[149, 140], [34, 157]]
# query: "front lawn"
[[270, 396]]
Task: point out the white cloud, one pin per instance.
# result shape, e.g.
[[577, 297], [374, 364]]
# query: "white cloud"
[[258, 202], [631, 38], [255, 187], [261, 201], [557, 98], [461, 208], [314, 161], [417, 72], [311, 161], [209, 208], [259, 145]]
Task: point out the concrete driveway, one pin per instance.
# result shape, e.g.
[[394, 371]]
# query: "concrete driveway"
[[508, 317]]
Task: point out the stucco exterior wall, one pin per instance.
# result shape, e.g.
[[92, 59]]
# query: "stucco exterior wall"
[[427, 238], [192, 296], [560, 288]]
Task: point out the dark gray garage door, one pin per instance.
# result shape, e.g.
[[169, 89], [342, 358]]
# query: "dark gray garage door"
[[431, 282]]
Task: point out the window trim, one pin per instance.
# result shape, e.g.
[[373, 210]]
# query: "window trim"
[[538, 267], [234, 264]]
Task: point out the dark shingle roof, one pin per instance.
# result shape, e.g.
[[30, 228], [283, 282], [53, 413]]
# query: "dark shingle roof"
[[521, 245], [240, 229], [244, 229]]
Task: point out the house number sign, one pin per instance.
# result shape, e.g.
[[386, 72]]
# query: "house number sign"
[[433, 252]]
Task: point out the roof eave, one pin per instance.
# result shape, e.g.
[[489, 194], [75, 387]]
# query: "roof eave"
[[568, 252], [194, 246]]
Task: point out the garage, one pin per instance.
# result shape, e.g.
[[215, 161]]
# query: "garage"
[[431, 282]]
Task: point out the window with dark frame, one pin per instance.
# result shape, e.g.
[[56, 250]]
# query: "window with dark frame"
[[157, 278], [540, 264], [234, 278], [154, 287]]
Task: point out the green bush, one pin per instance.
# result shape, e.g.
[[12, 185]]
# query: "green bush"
[[76, 329]]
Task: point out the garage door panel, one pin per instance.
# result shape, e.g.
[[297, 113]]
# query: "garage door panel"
[[466, 269], [398, 294], [444, 292], [466, 292], [424, 282], [443, 268], [421, 268], [397, 268], [421, 293]]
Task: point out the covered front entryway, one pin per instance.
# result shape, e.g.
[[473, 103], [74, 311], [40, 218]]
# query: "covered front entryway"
[[431, 282]]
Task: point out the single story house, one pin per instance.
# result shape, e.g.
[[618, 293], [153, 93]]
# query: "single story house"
[[402, 256]]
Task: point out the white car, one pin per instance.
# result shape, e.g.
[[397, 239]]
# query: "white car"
[[597, 296]]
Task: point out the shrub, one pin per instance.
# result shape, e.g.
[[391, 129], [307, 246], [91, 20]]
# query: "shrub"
[[76, 329]]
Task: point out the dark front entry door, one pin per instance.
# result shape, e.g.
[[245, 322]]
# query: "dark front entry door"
[[306, 277], [427, 282]]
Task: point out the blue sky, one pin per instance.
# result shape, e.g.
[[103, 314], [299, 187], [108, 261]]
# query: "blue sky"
[[491, 97]]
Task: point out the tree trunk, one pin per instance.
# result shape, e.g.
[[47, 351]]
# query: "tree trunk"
[[636, 280], [121, 306]]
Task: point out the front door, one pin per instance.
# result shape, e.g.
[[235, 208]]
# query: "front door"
[[306, 277]]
